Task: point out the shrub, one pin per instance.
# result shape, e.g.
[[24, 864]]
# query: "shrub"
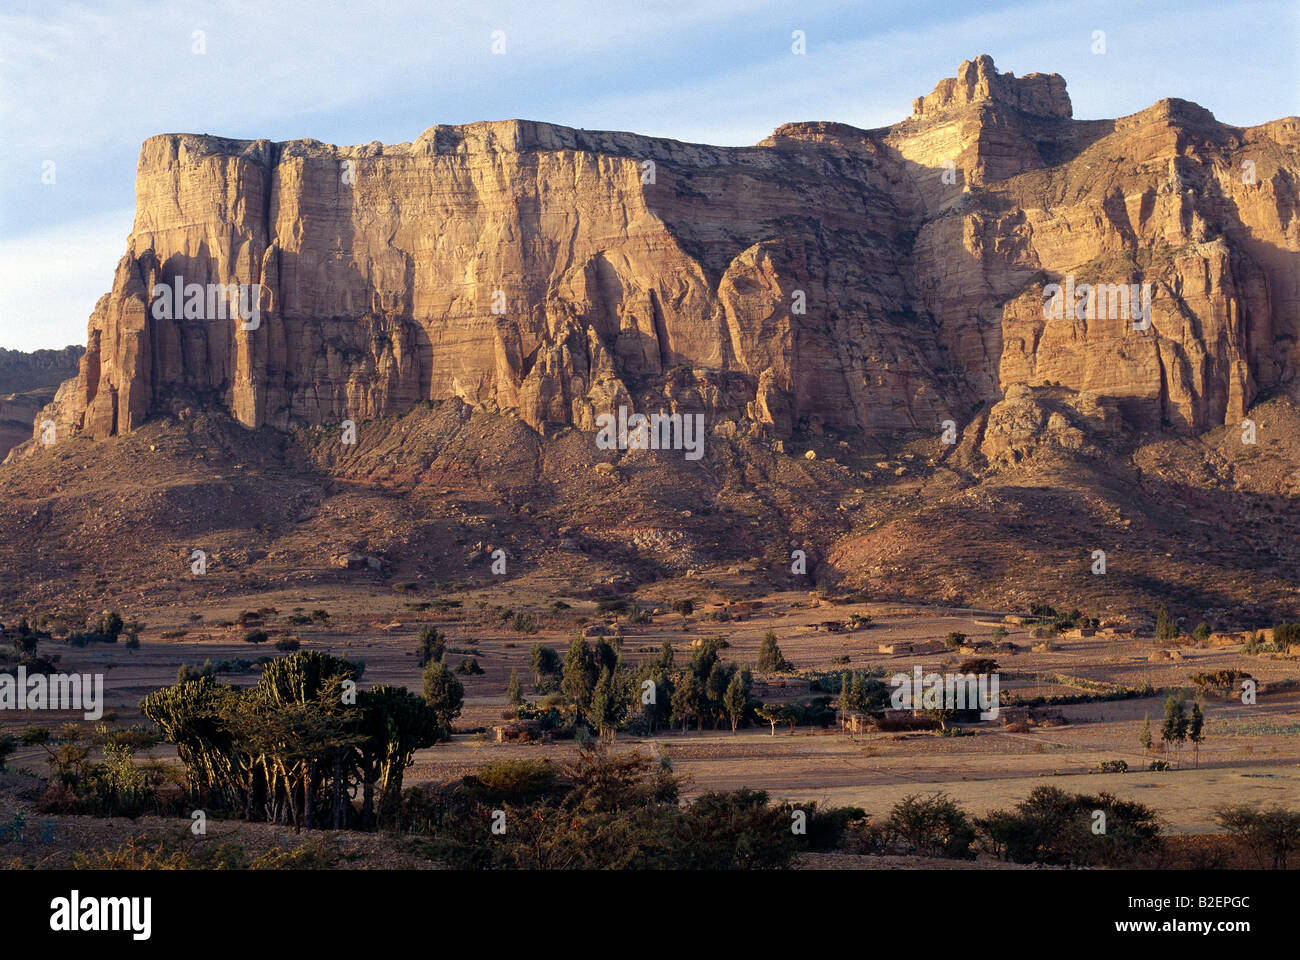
[[933, 826], [684, 607], [954, 640], [979, 665], [469, 666], [1202, 632], [287, 644], [256, 636], [1054, 827], [1159, 766], [1270, 834], [1112, 766], [1286, 635]]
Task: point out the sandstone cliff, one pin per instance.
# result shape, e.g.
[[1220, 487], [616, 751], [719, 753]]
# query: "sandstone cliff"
[[861, 280]]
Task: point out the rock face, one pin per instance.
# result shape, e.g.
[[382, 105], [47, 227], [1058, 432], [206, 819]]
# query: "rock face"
[[28, 382], [875, 281]]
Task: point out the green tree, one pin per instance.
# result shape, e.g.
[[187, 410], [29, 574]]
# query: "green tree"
[[579, 677], [396, 724], [770, 658], [610, 701], [1166, 626], [1145, 738], [444, 695], [715, 691], [1174, 729], [544, 662], [775, 713], [1202, 632], [665, 661], [688, 702], [735, 700], [1196, 731], [514, 690], [432, 643]]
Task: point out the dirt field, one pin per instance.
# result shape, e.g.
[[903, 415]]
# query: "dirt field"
[[1250, 752]]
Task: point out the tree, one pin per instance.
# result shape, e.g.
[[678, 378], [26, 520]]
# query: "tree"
[[1145, 738], [770, 659], [610, 701], [703, 658], [579, 678], [665, 661], [684, 607], [1166, 626], [543, 661], [256, 636], [1202, 632], [1195, 731], [444, 695], [775, 713], [432, 645], [397, 723], [715, 690], [1272, 832], [688, 702], [1174, 729], [954, 640], [514, 690], [735, 700]]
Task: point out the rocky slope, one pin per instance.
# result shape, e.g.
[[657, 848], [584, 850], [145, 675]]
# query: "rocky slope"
[[870, 281]]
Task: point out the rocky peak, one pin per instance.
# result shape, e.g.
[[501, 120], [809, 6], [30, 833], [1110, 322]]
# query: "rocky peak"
[[978, 81]]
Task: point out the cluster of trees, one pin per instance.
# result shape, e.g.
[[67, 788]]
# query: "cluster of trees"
[[597, 688], [303, 743], [1178, 728]]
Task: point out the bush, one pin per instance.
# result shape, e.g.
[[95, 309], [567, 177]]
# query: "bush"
[[1054, 827], [979, 665], [954, 640], [469, 666], [1160, 766], [1112, 766], [1270, 834], [933, 826], [287, 644], [256, 636]]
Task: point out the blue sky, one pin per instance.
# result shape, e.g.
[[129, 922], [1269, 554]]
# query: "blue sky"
[[83, 84]]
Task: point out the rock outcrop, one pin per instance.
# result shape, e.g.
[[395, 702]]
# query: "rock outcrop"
[[870, 281]]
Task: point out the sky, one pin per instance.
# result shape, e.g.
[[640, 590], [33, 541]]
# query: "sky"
[[83, 84]]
